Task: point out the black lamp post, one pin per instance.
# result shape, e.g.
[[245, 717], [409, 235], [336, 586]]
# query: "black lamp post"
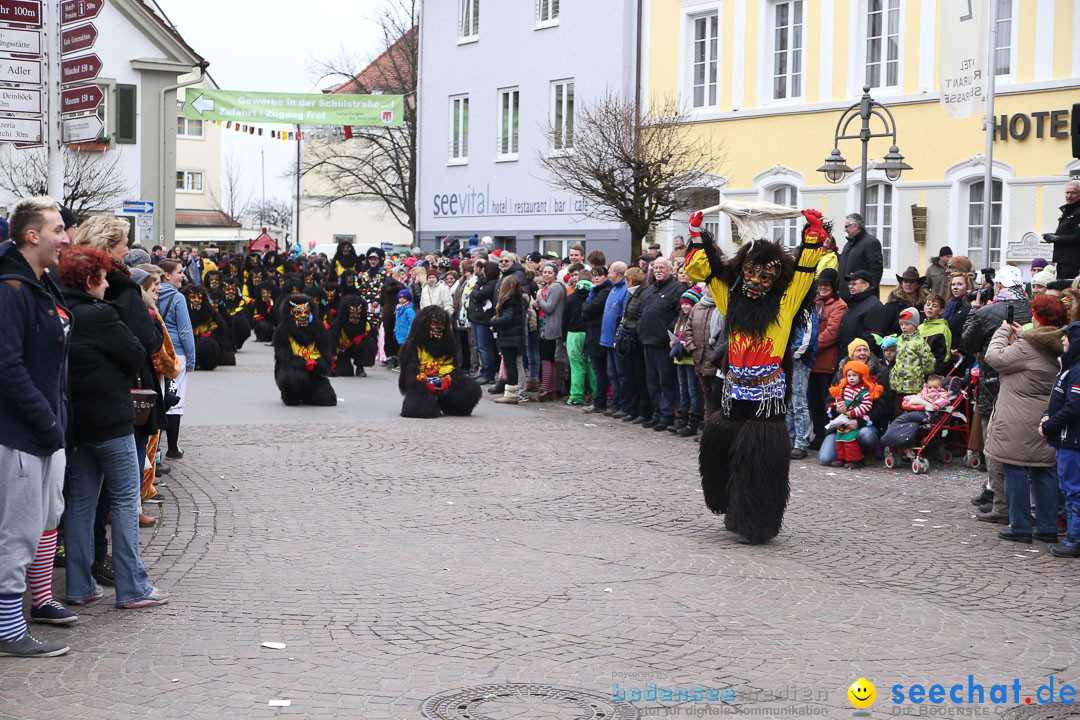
[[836, 167]]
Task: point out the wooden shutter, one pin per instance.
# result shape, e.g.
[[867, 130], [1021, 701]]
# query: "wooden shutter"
[[126, 114]]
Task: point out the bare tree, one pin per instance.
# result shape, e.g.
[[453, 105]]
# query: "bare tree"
[[272, 213], [229, 198], [636, 170], [375, 163], [93, 181]]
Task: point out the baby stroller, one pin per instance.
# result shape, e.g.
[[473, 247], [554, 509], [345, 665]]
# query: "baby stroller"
[[945, 432]]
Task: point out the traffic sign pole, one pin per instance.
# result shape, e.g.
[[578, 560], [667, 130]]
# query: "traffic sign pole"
[[54, 147]]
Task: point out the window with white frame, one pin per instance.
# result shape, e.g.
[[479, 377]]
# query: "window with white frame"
[[882, 43], [1003, 42], [704, 59], [787, 49], [469, 19], [508, 123], [188, 128], [712, 224], [459, 128], [879, 218], [189, 180], [980, 255], [344, 238], [547, 12], [786, 232], [562, 114]]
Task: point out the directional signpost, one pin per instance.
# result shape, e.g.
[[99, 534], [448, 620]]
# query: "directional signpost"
[[25, 42], [79, 69], [20, 130], [20, 71], [20, 12], [78, 38], [74, 11], [81, 129], [81, 99], [20, 100]]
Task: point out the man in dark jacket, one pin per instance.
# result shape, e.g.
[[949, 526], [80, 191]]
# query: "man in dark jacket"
[[1066, 238], [33, 407], [865, 313], [1061, 428], [659, 308], [593, 314], [861, 252], [978, 329]]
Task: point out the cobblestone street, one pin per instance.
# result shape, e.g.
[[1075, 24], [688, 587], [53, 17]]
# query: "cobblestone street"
[[399, 559]]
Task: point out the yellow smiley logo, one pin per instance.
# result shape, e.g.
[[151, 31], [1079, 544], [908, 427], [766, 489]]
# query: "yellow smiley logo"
[[862, 693]]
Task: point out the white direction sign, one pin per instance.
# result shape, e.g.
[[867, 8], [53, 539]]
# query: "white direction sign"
[[27, 42], [20, 71], [19, 130], [82, 129], [20, 100]]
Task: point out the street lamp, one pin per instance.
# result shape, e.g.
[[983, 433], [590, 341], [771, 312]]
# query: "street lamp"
[[836, 168]]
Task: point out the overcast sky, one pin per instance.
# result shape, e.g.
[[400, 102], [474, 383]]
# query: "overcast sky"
[[267, 45]]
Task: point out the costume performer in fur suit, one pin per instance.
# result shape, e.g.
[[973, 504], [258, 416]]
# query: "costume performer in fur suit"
[[344, 259], [235, 310], [302, 354], [430, 383], [355, 342], [263, 313], [745, 448], [211, 333]]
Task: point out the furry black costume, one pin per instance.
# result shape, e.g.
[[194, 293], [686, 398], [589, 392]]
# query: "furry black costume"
[[745, 448], [302, 354], [390, 291], [354, 340], [210, 329], [262, 312], [430, 383], [344, 259], [235, 311]]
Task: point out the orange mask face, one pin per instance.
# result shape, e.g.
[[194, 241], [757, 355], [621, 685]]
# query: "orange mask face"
[[758, 279]]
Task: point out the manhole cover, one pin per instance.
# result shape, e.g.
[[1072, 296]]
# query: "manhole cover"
[[525, 702], [1049, 711]]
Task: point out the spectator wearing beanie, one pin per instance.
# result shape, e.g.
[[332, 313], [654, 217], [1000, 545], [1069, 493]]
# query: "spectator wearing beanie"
[[937, 273], [436, 293], [689, 392], [1040, 279], [914, 359], [403, 317], [1027, 363]]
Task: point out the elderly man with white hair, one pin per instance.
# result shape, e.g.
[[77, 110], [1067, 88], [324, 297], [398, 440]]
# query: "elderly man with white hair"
[[1066, 239]]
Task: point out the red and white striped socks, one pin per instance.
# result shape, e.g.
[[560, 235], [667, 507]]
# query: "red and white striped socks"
[[40, 575]]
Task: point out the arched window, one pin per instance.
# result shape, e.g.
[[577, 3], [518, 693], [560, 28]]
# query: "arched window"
[[981, 255], [879, 218], [786, 232]]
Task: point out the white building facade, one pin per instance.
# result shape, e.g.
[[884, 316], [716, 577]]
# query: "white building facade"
[[494, 76]]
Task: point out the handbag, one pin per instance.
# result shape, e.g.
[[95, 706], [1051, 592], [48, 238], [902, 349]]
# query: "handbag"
[[144, 402]]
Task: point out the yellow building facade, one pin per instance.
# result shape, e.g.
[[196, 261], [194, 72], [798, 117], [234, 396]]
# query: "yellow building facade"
[[769, 80]]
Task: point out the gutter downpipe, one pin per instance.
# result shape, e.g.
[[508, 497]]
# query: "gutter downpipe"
[[159, 212]]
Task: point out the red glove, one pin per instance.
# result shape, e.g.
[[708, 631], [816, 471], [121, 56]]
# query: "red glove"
[[695, 224], [815, 230], [359, 339], [445, 383], [311, 364]]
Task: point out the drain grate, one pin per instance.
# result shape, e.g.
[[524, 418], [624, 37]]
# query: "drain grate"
[[1049, 711], [525, 700]]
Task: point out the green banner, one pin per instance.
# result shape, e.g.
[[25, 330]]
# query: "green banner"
[[294, 109]]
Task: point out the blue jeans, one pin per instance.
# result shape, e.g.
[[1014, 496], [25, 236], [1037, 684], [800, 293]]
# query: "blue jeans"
[[868, 441], [485, 350], [600, 372], [661, 381], [615, 375], [532, 353], [689, 394], [1020, 482], [798, 417], [1068, 471], [90, 465]]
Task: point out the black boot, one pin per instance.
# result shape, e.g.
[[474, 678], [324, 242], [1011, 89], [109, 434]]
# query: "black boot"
[[680, 422], [691, 426], [172, 435], [497, 388], [987, 495]]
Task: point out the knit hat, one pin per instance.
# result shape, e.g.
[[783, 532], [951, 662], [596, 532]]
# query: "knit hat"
[[68, 217], [137, 257], [945, 251], [888, 341], [910, 315], [139, 275], [410, 262], [405, 294], [692, 296], [1038, 263], [1044, 277], [586, 284], [861, 369], [856, 343], [432, 271], [830, 276]]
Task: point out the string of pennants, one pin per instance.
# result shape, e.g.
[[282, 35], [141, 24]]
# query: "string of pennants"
[[252, 130], [333, 133]]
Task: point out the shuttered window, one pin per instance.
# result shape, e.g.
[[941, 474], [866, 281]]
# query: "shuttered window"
[[126, 114]]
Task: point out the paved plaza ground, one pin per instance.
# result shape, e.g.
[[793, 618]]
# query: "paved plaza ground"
[[400, 559]]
